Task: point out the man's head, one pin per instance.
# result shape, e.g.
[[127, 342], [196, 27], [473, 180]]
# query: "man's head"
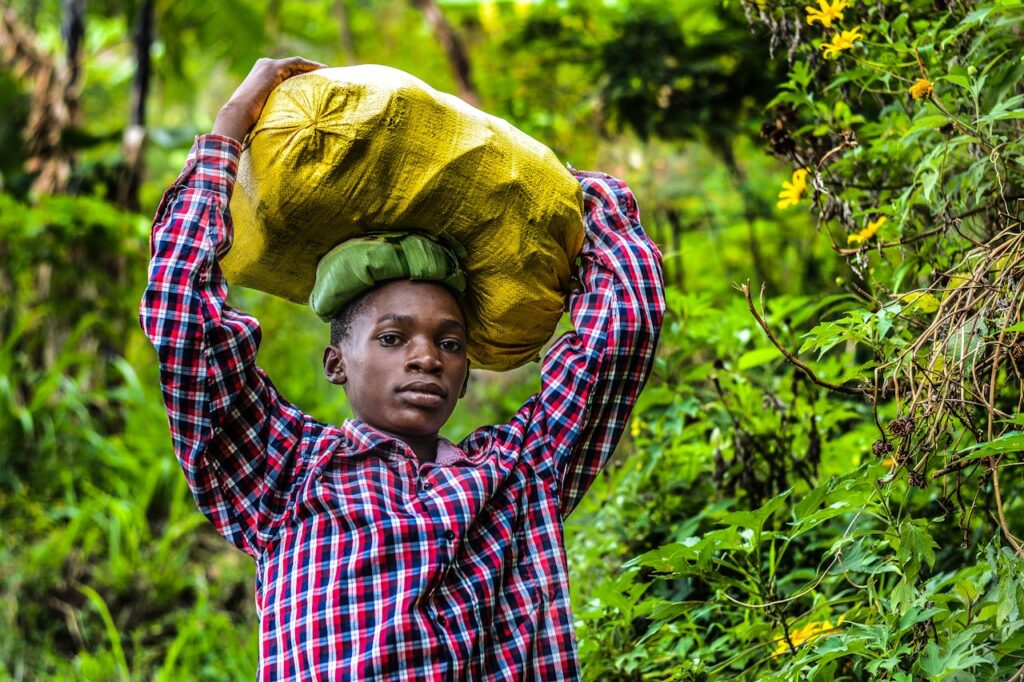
[[400, 352]]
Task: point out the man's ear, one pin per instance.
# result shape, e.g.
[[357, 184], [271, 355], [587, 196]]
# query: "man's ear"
[[334, 365]]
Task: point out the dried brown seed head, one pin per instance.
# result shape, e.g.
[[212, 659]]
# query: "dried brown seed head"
[[901, 426]]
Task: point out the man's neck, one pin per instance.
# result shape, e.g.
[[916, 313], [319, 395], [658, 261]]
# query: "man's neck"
[[425, 448]]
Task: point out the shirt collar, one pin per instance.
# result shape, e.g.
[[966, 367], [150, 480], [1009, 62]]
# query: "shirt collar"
[[363, 438]]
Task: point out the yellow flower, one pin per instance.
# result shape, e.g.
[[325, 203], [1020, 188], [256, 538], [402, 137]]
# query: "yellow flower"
[[793, 189], [827, 14], [490, 17], [843, 41], [522, 8], [636, 424], [804, 634], [868, 232], [921, 88]]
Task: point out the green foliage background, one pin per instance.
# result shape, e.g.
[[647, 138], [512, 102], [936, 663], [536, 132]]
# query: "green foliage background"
[[849, 512]]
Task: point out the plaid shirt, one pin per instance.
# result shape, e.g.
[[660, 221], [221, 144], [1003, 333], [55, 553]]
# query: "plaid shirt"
[[371, 565]]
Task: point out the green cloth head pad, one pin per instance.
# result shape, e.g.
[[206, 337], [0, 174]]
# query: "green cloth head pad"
[[357, 265]]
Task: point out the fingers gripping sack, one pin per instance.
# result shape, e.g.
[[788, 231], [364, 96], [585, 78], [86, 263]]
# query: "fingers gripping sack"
[[346, 152]]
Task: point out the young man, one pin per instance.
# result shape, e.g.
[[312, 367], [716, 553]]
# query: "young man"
[[382, 551]]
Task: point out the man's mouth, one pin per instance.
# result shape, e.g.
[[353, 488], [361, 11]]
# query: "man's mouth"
[[423, 393]]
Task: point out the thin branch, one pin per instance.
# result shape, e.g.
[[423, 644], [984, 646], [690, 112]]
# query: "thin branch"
[[820, 577], [999, 509], [808, 372], [454, 49], [887, 245]]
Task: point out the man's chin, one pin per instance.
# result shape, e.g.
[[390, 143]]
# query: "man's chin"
[[410, 430]]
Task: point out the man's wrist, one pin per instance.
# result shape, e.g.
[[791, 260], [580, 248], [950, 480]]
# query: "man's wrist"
[[231, 122]]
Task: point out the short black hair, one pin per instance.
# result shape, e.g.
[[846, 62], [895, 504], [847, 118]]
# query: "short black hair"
[[341, 321]]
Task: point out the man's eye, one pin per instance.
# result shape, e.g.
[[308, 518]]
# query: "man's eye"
[[451, 345], [389, 340]]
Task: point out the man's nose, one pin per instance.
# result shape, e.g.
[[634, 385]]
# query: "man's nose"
[[424, 356]]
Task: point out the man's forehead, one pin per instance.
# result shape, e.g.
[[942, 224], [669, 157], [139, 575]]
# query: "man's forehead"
[[409, 301], [413, 319]]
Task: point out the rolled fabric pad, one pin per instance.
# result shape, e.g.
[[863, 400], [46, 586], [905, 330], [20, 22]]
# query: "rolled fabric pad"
[[359, 264], [349, 151]]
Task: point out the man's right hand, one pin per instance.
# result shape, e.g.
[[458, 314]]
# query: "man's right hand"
[[243, 109]]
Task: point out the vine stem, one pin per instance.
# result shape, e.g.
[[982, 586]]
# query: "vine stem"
[[799, 364], [809, 588], [790, 598], [999, 508]]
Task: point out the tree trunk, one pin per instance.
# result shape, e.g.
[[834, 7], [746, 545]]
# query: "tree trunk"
[[348, 47], [272, 28], [673, 240], [74, 34], [135, 134], [48, 117], [458, 59]]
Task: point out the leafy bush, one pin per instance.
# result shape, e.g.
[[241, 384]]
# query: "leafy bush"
[[823, 485], [771, 526], [106, 567]]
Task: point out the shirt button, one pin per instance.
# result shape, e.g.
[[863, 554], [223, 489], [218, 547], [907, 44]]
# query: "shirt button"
[[427, 485], [441, 620], [449, 535]]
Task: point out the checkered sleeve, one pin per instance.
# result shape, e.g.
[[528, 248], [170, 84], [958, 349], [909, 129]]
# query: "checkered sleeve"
[[234, 436], [592, 376]]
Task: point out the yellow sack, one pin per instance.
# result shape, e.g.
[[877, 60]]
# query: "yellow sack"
[[344, 151]]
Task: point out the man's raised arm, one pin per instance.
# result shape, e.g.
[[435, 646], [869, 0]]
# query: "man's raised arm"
[[235, 438], [592, 377]]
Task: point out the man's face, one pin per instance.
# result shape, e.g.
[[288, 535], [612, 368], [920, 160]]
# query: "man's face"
[[404, 362]]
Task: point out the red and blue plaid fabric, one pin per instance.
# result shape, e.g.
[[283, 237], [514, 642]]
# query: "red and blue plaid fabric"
[[371, 565]]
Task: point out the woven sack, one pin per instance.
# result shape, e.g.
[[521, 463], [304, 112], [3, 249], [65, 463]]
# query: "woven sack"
[[344, 151]]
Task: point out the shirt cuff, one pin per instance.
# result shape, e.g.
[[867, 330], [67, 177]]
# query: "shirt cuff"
[[212, 164]]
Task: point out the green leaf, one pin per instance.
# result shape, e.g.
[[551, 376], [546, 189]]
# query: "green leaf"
[[924, 301], [830, 512], [899, 24], [800, 74], [928, 122], [957, 79], [113, 633], [755, 519], [964, 343], [692, 554], [1011, 441], [654, 396], [1007, 109], [929, 177], [915, 544], [958, 655], [970, 21], [1019, 327], [757, 357]]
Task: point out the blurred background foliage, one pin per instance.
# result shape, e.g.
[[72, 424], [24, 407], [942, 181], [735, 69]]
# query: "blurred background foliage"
[[822, 479]]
